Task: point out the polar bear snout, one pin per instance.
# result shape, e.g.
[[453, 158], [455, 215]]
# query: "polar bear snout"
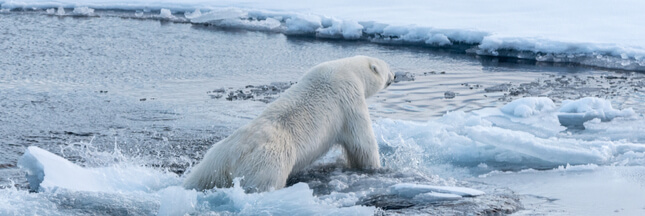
[[390, 79]]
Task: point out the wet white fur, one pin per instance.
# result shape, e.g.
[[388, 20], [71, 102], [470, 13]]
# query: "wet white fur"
[[326, 107]]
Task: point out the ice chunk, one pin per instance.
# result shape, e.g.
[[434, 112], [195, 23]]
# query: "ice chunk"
[[346, 29], [165, 13], [193, 15], [39, 164], [218, 15], [303, 24], [412, 190], [403, 76], [526, 107], [46, 170], [51, 11], [351, 29], [574, 113], [598, 107], [85, 11], [60, 11]]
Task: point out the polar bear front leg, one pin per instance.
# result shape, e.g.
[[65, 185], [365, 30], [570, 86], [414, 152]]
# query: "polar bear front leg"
[[359, 142]]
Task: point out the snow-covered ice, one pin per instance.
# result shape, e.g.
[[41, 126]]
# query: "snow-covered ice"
[[536, 30], [83, 11], [525, 133], [574, 114]]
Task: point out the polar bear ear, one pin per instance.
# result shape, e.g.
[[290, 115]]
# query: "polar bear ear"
[[374, 68]]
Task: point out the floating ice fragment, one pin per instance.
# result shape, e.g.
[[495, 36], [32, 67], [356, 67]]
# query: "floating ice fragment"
[[39, 164], [60, 11], [138, 13], [46, 170], [529, 106], [165, 13], [403, 76], [412, 190], [193, 15], [86, 11], [574, 113], [51, 11], [4, 10]]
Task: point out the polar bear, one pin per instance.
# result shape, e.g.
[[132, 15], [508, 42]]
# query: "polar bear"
[[326, 107]]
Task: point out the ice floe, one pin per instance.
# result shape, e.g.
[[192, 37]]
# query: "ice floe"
[[507, 30]]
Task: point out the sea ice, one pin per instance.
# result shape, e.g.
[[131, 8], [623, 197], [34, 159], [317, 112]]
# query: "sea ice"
[[165, 13], [525, 107], [523, 134], [60, 11], [573, 114], [303, 24], [47, 171], [194, 14], [85, 11], [413, 190]]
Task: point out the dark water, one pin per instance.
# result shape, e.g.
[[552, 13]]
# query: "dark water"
[[146, 85]]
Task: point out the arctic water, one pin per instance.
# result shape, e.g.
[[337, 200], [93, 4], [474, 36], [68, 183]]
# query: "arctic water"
[[127, 101]]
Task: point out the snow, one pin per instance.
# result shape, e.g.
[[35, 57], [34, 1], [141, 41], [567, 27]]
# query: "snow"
[[610, 37]]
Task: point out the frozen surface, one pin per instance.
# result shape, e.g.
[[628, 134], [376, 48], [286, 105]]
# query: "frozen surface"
[[577, 190], [575, 113], [130, 99], [506, 141], [610, 38]]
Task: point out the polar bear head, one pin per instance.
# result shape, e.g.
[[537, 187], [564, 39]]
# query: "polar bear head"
[[376, 74]]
